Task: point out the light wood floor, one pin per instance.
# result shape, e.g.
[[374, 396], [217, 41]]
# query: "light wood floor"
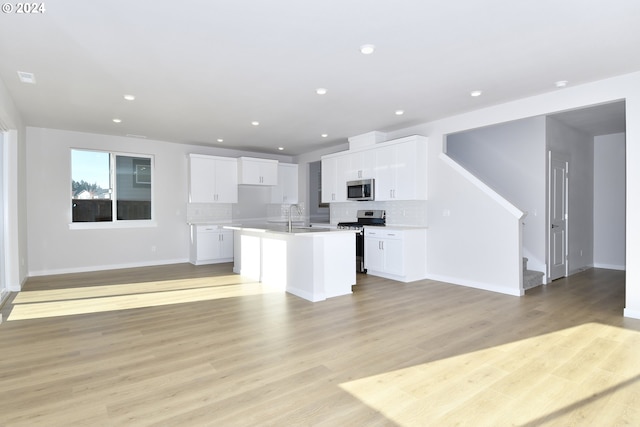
[[190, 346]]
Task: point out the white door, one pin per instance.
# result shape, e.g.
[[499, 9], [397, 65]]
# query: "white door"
[[558, 196]]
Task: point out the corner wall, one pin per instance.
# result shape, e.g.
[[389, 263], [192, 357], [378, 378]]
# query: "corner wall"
[[626, 87], [510, 158], [15, 236], [609, 202]]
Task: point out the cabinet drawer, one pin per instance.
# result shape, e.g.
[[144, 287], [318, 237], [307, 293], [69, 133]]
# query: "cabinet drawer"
[[383, 234]]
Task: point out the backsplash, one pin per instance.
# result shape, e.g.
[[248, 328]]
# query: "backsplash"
[[409, 212], [277, 212]]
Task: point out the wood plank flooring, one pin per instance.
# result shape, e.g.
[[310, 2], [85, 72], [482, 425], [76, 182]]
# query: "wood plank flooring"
[[199, 346]]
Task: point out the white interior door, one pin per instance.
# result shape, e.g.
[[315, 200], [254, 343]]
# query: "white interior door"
[[558, 197]]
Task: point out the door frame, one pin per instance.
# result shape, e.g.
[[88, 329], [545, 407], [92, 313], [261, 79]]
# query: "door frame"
[[561, 157]]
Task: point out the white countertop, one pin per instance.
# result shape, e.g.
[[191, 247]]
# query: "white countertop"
[[282, 229]]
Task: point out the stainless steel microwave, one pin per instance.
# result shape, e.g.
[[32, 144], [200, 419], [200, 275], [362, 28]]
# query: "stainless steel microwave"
[[363, 189]]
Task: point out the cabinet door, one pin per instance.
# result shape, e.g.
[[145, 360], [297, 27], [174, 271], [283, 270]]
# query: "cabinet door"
[[406, 167], [329, 168], [207, 244], [226, 179], [226, 244], [361, 165], [393, 256], [258, 171], [202, 179], [385, 172], [269, 173], [287, 189], [373, 254]]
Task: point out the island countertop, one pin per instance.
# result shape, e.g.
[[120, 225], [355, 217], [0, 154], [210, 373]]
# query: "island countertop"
[[283, 229]]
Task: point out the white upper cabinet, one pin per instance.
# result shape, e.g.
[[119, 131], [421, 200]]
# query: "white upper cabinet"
[[401, 169], [334, 181], [212, 179], [287, 189], [254, 171], [359, 165]]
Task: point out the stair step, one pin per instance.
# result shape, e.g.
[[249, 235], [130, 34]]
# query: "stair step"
[[531, 279]]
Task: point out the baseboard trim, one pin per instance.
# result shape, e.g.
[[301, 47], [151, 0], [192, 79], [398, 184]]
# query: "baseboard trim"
[[478, 285], [610, 267], [634, 314], [106, 267]]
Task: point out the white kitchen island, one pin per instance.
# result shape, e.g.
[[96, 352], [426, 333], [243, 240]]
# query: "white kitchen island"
[[312, 263]]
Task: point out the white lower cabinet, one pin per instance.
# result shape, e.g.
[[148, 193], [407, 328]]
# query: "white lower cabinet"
[[397, 254], [210, 244]]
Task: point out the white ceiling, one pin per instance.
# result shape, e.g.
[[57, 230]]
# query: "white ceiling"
[[203, 70]]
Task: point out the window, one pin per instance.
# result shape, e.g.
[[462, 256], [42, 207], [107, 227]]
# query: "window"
[[98, 179]]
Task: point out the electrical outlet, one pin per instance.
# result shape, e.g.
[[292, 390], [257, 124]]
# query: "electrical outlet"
[[153, 248]]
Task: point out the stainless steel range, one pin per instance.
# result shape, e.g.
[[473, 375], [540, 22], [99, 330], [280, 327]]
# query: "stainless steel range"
[[371, 217]]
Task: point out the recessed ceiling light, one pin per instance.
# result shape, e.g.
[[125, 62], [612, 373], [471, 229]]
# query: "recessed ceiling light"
[[26, 77], [321, 91], [476, 93], [133, 135], [255, 123], [129, 97], [117, 120], [324, 135], [220, 140], [561, 83], [280, 148], [367, 49], [399, 112]]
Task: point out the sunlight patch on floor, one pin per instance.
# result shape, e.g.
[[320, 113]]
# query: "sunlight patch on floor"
[[100, 299], [96, 291], [588, 373]]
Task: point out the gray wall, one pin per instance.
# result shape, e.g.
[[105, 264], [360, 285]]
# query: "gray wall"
[[609, 201]]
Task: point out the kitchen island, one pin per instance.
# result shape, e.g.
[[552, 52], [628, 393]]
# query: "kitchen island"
[[309, 262]]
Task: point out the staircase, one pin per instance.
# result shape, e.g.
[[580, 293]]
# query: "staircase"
[[530, 278]]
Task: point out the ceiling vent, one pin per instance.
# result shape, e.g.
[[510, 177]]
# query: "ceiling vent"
[[26, 77]]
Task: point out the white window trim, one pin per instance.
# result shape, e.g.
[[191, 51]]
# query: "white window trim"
[[116, 223], [138, 223]]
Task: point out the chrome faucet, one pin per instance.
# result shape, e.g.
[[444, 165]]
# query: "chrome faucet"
[[299, 213]]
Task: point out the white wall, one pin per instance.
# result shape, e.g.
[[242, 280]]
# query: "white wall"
[[510, 158], [15, 226], [55, 248], [449, 256], [609, 202]]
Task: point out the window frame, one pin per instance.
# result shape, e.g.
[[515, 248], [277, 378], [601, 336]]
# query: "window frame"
[[115, 222]]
